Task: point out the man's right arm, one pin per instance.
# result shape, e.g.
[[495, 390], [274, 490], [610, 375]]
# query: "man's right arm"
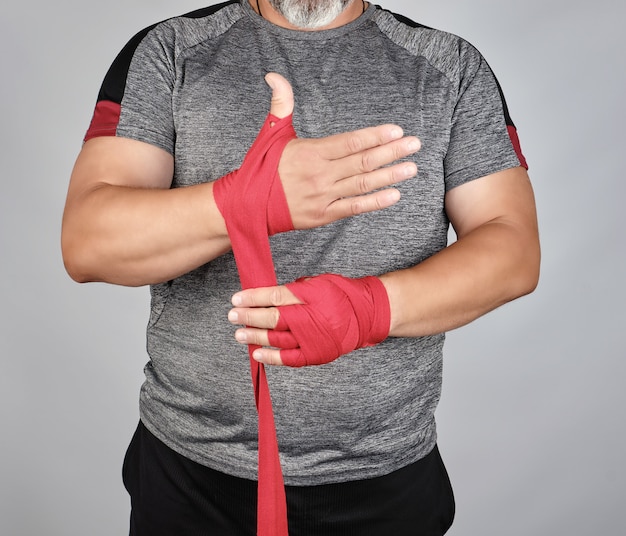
[[123, 223]]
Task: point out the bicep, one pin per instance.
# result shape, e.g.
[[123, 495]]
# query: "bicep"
[[116, 161], [504, 197]]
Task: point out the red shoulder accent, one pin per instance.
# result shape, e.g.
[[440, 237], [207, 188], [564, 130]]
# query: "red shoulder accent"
[[105, 119], [516, 145]]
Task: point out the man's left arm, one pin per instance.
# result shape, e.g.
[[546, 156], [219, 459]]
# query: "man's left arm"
[[494, 260]]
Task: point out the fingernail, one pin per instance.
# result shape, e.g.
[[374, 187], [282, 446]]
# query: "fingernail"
[[413, 144], [396, 133], [241, 336], [270, 82], [257, 355], [393, 195], [236, 299], [233, 316], [408, 171]]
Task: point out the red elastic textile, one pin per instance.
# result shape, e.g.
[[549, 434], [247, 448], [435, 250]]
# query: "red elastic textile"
[[338, 315], [253, 205], [105, 119], [516, 145]]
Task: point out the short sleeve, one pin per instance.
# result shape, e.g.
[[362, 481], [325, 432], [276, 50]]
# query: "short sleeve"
[[135, 99], [483, 138]]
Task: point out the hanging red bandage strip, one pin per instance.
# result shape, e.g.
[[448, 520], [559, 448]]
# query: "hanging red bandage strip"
[[253, 204]]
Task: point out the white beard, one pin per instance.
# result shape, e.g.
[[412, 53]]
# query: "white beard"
[[310, 14]]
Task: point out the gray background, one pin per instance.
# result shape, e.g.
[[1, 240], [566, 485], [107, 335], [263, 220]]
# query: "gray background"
[[531, 421]]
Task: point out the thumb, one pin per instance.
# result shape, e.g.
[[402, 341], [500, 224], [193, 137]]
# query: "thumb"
[[282, 95]]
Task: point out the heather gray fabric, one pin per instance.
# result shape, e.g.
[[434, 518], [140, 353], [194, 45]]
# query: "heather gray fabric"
[[196, 89]]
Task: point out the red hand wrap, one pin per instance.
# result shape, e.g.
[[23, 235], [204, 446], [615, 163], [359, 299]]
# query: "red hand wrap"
[[253, 204], [255, 190], [338, 315]]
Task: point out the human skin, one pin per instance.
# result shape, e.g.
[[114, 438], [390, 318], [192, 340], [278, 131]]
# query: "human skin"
[[495, 259], [123, 223]]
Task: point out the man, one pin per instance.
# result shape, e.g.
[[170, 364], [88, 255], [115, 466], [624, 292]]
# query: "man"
[[152, 201]]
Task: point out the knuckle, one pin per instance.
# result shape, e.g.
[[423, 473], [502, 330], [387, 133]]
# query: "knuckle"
[[251, 337], [251, 299], [398, 152], [362, 184], [366, 162], [393, 176], [354, 143], [357, 207], [243, 318], [275, 314], [276, 296]]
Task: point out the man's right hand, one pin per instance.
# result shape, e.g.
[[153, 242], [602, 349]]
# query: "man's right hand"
[[331, 178]]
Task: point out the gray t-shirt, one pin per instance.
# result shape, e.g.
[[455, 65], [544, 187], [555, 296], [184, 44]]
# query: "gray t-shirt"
[[193, 85]]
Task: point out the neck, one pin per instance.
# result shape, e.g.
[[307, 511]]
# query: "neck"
[[354, 10]]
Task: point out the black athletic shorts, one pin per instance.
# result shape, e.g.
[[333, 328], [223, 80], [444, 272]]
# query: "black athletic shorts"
[[174, 496]]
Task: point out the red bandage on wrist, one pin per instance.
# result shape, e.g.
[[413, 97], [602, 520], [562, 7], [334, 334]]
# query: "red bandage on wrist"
[[337, 315], [254, 190]]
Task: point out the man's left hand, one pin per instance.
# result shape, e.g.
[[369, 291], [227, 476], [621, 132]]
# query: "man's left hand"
[[313, 320]]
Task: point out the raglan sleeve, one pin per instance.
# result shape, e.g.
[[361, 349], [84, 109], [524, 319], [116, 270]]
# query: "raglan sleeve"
[[483, 138], [135, 99]]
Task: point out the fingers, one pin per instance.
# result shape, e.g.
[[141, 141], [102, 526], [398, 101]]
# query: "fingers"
[[282, 95], [325, 191], [267, 356], [257, 307], [375, 158], [261, 337], [349, 143], [365, 183], [264, 297], [264, 318], [361, 193], [257, 310], [351, 206], [264, 337]]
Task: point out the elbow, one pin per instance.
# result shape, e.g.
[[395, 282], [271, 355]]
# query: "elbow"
[[74, 268], [528, 283], [528, 271], [75, 273], [86, 260], [75, 258]]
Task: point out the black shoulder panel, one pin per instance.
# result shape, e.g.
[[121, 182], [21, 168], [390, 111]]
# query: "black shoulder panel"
[[403, 19], [112, 88]]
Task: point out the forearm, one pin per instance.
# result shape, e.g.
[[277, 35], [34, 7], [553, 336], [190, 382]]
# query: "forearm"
[[138, 236], [493, 264]]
